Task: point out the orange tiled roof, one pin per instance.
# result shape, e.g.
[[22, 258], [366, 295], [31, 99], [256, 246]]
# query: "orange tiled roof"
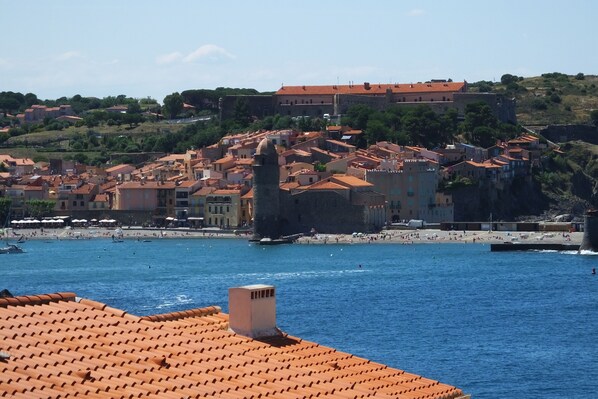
[[118, 167], [58, 345], [84, 189], [187, 183], [100, 198], [372, 89], [351, 181], [326, 185], [248, 195]]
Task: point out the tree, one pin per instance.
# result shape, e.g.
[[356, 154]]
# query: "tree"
[[134, 108], [80, 158], [507, 78], [132, 119], [39, 208], [483, 136], [173, 105], [424, 127], [241, 111], [9, 104], [478, 114], [31, 99], [594, 117], [4, 208], [376, 131]]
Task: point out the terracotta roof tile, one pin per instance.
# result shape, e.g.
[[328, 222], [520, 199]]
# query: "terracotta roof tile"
[[60, 346], [372, 89]]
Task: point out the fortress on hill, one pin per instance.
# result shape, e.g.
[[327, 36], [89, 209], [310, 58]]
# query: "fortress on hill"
[[317, 101]]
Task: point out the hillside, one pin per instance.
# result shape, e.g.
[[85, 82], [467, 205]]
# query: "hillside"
[[553, 98]]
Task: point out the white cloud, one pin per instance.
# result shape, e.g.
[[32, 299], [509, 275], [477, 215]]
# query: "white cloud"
[[416, 12], [169, 58], [210, 52], [207, 52], [68, 55]]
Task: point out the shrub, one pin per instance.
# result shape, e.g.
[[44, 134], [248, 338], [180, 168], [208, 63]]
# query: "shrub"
[[539, 104]]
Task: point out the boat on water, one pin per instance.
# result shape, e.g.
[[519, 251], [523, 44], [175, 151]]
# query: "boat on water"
[[277, 241], [11, 249]]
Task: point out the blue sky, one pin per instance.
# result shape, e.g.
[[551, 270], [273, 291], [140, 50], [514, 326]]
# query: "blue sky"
[[153, 48]]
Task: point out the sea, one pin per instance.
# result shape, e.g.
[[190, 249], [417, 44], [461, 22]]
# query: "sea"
[[496, 325]]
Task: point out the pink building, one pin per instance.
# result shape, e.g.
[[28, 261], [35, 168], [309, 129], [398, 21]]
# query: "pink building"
[[145, 196], [37, 113]]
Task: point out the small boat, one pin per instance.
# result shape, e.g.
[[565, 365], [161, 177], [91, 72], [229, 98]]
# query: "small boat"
[[11, 249], [277, 241]]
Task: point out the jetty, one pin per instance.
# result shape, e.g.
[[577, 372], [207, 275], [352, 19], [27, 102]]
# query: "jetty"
[[510, 246]]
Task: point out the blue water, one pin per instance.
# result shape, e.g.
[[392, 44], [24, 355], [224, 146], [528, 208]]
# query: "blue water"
[[494, 324]]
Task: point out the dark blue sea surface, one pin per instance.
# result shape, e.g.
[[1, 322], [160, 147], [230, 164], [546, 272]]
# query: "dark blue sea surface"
[[494, 324]]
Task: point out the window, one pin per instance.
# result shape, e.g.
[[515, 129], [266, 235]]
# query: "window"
[[74, 203], [82, 203]]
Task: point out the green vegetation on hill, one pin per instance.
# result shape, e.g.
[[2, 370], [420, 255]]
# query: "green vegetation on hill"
[[549, 99]]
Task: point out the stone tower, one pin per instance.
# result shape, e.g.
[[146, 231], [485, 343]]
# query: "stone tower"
[[590, 232], [266, 201]]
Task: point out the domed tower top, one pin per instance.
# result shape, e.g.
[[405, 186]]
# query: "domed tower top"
[[266, 153]]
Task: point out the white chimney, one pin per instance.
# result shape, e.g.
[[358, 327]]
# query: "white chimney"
[[252, 310]]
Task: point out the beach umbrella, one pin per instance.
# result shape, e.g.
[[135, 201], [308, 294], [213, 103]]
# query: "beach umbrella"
[[75, 221], [15, 222], [82, 220]]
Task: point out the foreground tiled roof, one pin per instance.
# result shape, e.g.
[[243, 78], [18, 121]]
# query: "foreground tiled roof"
[[60, 346]]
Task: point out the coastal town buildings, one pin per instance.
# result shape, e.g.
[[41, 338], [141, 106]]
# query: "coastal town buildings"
[[322, 181]]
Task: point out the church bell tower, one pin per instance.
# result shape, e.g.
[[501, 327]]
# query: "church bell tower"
[[266, 197]]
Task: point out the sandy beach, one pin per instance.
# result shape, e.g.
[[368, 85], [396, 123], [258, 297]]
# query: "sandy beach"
[[424, 236]]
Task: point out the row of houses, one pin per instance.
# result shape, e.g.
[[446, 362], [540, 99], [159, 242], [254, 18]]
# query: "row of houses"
[[38, 113], [213, 186]]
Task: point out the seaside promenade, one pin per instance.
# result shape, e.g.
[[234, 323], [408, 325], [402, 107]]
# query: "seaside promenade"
[[425, 236]]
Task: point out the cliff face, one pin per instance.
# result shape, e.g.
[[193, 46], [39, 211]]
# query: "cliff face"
[[526, 200], [565, 184], [522, 199]]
